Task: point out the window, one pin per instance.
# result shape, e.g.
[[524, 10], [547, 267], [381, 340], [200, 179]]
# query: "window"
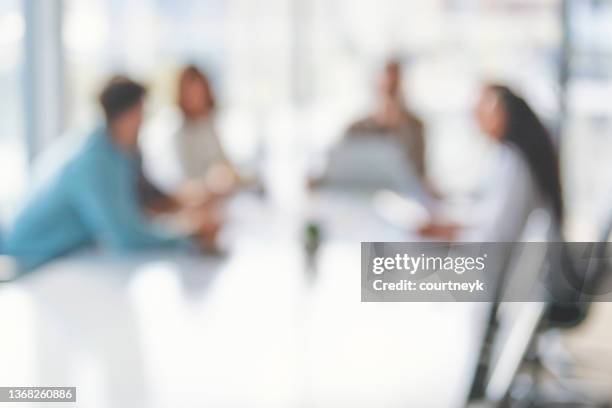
[[588, 140], [12, 145], [242, 45], [296, 72]]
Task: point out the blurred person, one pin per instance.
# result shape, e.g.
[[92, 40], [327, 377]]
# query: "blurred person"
[[198, 150], [94, 194], [525, 174], [392, 119]]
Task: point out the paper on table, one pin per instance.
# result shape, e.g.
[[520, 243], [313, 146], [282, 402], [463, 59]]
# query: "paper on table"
[[400, 210]]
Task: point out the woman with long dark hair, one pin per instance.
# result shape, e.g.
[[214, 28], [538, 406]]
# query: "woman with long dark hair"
[[524, 131], [526, 174]]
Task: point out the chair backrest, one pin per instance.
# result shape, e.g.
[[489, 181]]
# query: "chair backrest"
[[535, 317], [512, 326], [583, 277], [599, 263]]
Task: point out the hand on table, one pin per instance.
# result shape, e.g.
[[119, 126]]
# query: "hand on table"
[[446, 232], [206, 224], [202, 224], [206, 236], [220, 182]]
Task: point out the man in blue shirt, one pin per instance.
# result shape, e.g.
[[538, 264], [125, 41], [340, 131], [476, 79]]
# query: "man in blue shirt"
[[94, 195]]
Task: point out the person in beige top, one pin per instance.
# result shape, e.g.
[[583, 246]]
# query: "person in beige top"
[[391, 118], [199, 176], [197, 146]]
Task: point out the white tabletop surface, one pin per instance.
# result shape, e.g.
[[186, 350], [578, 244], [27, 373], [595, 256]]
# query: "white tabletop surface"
[[254, 328]]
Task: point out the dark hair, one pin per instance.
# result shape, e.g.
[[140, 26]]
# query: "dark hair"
[[119, 95], [192, 72], [526, 132]]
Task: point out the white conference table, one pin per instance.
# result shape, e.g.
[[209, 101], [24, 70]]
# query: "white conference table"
[[254, 328]]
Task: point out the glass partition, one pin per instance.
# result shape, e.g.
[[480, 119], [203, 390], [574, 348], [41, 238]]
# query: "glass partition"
[[12, 144]]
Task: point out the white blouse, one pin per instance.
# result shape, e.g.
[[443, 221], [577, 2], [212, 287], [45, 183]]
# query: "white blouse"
[[512, 206]]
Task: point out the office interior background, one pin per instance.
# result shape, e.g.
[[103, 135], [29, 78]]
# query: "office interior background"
[[290, 75]]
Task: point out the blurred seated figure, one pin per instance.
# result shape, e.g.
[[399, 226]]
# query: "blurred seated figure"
[[392, 122], [192, 153], [525, 176], [197, 144], [94, 195]]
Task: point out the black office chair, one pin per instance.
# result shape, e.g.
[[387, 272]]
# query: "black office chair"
[[591, 280], [586, 280], [572, 303], [568, 280]]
